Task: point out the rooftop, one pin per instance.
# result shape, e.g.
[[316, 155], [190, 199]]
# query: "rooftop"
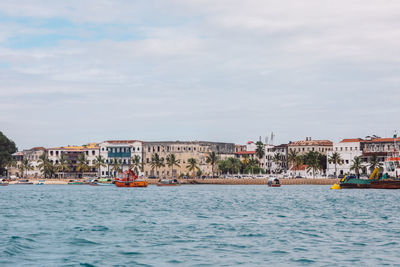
[[312, 143], [245, 152]]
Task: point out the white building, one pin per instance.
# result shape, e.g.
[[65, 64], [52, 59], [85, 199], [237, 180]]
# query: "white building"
[[348, 149], [271, 165], [121, 150]]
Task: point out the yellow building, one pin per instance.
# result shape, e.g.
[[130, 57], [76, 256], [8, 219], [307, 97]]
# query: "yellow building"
[[199, 150]]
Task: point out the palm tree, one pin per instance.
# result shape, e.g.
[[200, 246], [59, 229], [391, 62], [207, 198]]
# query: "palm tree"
[[252, 163], [116, 166], [27, 166], [171, 162], [277, 159], [312, 159], [83, 164], [292, 157], [46, 166], [374, 162], [234, 165], [356, 165], [212, 159], [136, 164], [335, 159], [99, 162], [156, 162], [260, 152], [192, 165], [62, 165]]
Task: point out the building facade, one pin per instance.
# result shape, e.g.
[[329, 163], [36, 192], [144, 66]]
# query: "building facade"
[[121, 150], [183, 150], [305, 146], [32, 155], [276, 158], [72, 154], [347, 149]]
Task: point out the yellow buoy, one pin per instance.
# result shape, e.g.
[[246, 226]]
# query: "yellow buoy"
[[335, 186]]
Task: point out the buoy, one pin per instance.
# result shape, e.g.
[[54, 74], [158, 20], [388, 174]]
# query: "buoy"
[[335, 186]]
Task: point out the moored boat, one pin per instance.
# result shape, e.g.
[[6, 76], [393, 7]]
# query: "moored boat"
[[75, 182], [4, 182], [130, 179], [274, 182], [24, 182], [168, 182]]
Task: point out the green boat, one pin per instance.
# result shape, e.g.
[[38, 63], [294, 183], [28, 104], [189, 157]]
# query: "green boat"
[[74, 182]]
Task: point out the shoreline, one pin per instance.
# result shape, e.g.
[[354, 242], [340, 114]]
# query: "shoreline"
[[215, 181]]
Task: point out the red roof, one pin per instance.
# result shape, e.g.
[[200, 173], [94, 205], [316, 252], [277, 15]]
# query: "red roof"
[[250, 142], [351, 140], [383, 140], [300, 168], [245, 152]]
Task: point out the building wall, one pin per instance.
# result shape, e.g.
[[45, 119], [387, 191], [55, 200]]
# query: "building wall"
[[347, 151], [305, 146], [123, 150], [273, 167], [198, 150]]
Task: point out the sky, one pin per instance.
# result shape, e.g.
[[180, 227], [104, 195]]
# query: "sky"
[[74, 72]]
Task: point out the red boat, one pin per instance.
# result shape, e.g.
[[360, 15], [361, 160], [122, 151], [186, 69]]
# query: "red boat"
[[274, 185], [130, 179]]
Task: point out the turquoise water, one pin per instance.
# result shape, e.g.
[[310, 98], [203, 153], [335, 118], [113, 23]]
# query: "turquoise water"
[[199, 225]]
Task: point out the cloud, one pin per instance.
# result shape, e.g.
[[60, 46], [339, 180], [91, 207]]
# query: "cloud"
[[226, 70]]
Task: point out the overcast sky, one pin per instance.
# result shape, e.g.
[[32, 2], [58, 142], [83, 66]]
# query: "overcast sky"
[[74, 72]]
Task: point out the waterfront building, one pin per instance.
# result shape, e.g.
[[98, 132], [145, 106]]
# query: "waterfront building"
[[347, 149], [276, 158], [302, 172], [122, 151], [304, 146], [381, 148], [72, 154], [183, 150], [32, 155]]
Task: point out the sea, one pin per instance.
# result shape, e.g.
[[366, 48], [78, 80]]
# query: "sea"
[[198, 225]]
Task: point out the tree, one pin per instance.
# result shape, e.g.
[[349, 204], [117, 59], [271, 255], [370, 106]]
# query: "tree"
[[156, 162], [7, 148], [99, 162], [277, 159], [83, 164], [260, 152], [313, 161], [136, 164], [11, 164], [26, 166], [46, 166], [116, 166], [356, 165], [171, 162], [192, 165], [293, 158], [374, 162], [212, 159], [62, 165], [335, 159]]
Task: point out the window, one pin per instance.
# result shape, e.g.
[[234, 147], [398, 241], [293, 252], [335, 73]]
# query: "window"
[[51, 153], [137, 149], [133, 149], [93, 152], [351, 148], [102, 172], [158, 149], [102, 149]]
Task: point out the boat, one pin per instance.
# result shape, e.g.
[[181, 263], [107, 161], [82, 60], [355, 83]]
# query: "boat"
[[23, 182], [3, 182], [375, 181], [75, 182], [40, 182], [130, 179], [274, 182], [168, 182]]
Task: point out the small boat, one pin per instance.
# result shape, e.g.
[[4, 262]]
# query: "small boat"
[[23, 182], [3, 182], [130, 179], [75, 182], [168, 182], [104, 184], [40, 182], [274, 182]]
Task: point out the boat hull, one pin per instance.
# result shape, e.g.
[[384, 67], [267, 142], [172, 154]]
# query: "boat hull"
[[274, 185], [385, 184], [131, 184], [159, 184], [3, 184]]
